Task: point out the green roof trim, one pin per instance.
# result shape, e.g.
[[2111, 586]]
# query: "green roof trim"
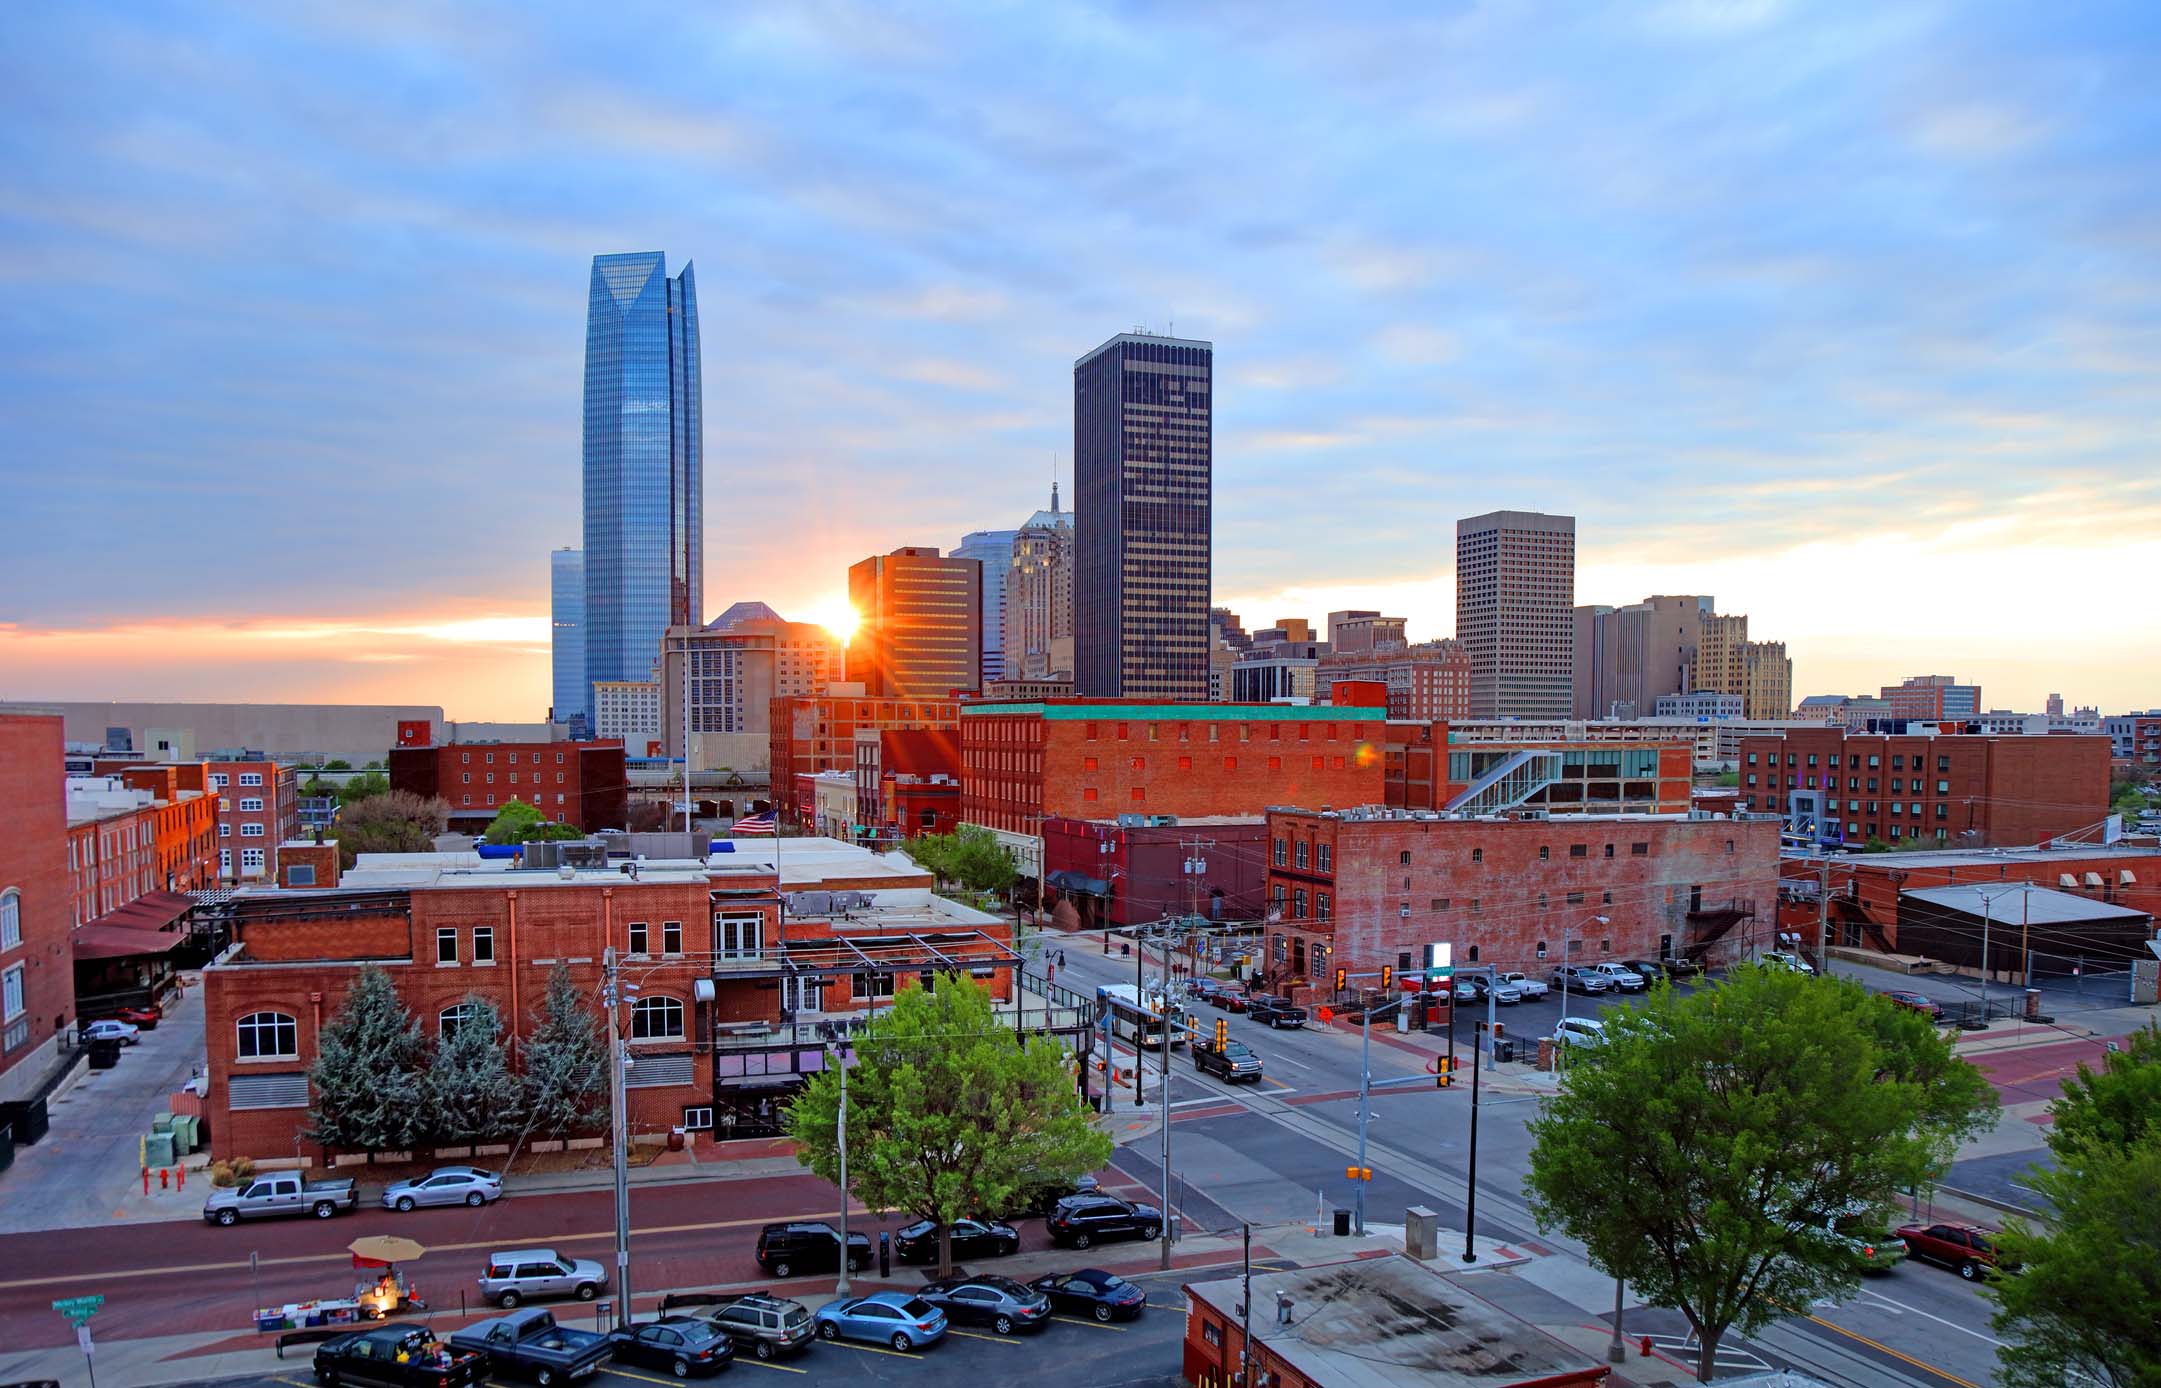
[[1183, 713]]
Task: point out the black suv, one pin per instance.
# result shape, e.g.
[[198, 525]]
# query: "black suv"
[[1081, 1220], [1276, 1012], [1233, 1063], [809, 1246]]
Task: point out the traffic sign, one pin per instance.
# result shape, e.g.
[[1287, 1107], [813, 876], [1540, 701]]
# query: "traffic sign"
[[78, 1309]]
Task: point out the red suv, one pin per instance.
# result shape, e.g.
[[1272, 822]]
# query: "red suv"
[[1960, 1246]]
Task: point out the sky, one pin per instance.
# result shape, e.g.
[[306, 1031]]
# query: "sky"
[[1847, 314]]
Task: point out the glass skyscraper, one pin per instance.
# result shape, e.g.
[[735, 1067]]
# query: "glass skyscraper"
[[566, 603], [644, 464], [1143, 444]]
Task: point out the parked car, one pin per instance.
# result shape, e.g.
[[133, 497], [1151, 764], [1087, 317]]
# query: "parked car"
[[1475, 988], [1621, 976], [1680, 966], [683, 1345], [1093, 1293], [529, 1344], [111, 1029], [279, 1194], [1782, 959], [1276, 1012], [1873, 1247], [1649, 970], [765, 1325], [1580, 1031], [141, 1018], [1087, 1219], [446, 1185], [1916, 1002], [972, 1238], [809, 1246], [1235, 1062], [998, 1302], [1525, 984], [521, 1274], [1036, 1201], [900, 1319], [1204, 989], [395, 1356], [1967, 1250], [1575, 978]]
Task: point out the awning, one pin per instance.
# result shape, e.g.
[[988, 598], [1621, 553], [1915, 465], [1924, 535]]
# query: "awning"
[[1065, 879], [2065, 879], [2093, 879], [2126, 878], [150, 911], [99, 941]]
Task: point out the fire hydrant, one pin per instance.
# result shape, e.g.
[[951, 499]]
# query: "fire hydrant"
[[165, 1179], [1643, 1345]]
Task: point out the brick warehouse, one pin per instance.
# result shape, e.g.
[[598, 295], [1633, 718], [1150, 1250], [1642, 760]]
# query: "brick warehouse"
[[816, 732], [37, 982], [576, 783], [1023, 763], [1365, 887], [1957, 790], [736, 1008], [1426, 770]]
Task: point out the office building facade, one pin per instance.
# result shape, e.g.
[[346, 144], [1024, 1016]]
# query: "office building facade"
[[572, 693], [993, 549], [920, 630], [1037, 627], [644, 463], [1515, 600], [1143, 441]]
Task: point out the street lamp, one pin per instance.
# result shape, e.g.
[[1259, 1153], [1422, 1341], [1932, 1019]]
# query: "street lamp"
[[1566, 936]]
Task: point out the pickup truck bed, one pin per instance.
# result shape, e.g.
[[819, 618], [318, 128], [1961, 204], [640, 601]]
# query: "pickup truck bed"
[[528, 1343]]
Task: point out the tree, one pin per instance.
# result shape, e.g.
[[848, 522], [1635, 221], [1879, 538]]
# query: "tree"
[[2081, 1309], [971, 856], [566, 1063], [366, 1075], [366, 786], [652, 817], [1702, 1150], [518, 822], [470, 1093], [949, 1114], [337, 764], [397, 822]]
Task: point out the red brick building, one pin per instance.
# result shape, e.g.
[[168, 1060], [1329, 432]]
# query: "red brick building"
[[1107, 873], [1954, 790], [907, 781], [736, 1006], [576, 783], [1365, 887], [1424, 771], [817, 732], [258, 809], [1862, 909], [37, 985], [1428, 681]]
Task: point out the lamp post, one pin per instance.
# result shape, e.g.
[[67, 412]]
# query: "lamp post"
[[1365, 1082], [838, 1056], [1566, 936], [618, 1113]]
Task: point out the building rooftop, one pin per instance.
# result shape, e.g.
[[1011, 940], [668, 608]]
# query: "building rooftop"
[[1391, 1323], [1078, 710], [1983, 857], [1387, 814], [2034, 906]]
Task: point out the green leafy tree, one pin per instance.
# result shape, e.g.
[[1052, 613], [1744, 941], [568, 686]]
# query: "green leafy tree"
[[949, 1114], [337, 764], [566, 1063], [972, 857], [396, 822], [365, 786], [470, 1093], [518, 822], [2082, 1307], [366, 1078], [1702, 1150]]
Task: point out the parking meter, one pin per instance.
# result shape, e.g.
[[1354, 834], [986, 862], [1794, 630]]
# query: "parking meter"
[[885, 1255]]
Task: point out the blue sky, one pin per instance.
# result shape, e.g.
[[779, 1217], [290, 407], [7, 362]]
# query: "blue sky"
[[1847, 314]]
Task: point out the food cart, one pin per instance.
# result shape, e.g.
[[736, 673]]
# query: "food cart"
[[382, 1291]]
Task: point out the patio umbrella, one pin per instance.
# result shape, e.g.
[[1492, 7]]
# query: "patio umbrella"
[[385, 1248]]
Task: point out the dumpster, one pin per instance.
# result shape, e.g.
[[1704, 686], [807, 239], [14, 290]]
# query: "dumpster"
[[161, 1123], [104, 1055], [158, 1150], [28, 1118]]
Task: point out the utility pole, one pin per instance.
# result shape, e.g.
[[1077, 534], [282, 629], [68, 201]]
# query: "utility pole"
[[1823, 913], [1470, 1180], [1163, 1095], [1245, 1312], [619, 1122], [840, 1058]]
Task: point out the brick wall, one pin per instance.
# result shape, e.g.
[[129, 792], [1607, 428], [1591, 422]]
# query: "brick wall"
[[33, 866]]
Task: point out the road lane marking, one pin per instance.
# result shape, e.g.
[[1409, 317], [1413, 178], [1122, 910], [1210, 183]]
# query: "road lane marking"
[[978, 1335], [873, 1349], [1900, 1307], [1878, 1345], [1091, 1324]]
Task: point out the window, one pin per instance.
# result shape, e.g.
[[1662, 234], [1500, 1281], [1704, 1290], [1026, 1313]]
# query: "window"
[[1579, 850], [865, 986], [1212, 1333], [1298, 903], [1230, 763], [1298, 853], [1606, 945], [446, 944], [1140, 793], [251, 778], [656, 1019], [251, 804], [1575, 898], [697, 1120], [1275, 763], [268, 1036], [251, 860], [638, 933], [483, 944], [1088, 763], [219, 780], [1281, 851], [1541, 949], [1478, 855], [11, 922], [11, 994], [1185, 763], [300, 875], [225, 857], [1544, 853], [1440, 903], [1606, 897], [742, 936], [671, 937], [450, 1019], [1321, 905], [1324, 857], [251, 830], [1404, 858], [1639, 850]]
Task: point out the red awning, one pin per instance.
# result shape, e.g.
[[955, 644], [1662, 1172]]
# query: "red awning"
[[150, 911], [100, 941]]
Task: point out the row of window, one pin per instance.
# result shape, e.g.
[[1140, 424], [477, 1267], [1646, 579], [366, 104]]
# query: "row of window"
[[467, 779], [219, 780], [276, 1035], [249, 830], [1875, 762], [1898, 783], [509, 757]]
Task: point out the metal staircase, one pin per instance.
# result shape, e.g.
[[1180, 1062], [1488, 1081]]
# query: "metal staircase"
[[1508, 782]]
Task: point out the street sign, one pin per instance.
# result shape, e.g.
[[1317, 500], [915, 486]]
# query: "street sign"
[[1440, 962], [79, 1309], [82, 1339]]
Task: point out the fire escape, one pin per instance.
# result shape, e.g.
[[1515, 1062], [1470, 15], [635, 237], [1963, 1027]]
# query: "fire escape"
[[1711, 921]]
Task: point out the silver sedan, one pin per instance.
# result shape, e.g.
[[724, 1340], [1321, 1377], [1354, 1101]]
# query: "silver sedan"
[[446, 1185]]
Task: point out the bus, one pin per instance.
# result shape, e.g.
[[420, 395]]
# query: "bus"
[[1138, 1018]]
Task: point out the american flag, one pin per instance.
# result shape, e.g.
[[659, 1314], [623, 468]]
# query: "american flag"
[[754, 824]]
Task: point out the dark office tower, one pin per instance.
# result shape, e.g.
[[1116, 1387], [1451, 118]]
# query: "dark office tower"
[[1515, 612], [644, 463], [1143, 439]]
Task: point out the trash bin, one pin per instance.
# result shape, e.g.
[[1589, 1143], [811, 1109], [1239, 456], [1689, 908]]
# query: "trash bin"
[[104, 1055], [29, 1119], [885, 1254], [1504, 1049], [1343, 1223]]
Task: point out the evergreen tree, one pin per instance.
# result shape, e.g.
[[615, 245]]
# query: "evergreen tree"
[[566, 1063], [366, 1076], [471, 1094]]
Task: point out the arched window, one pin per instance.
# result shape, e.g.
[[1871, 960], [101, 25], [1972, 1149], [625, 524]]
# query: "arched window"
[[451, 1018], [656, 1019], [11, 920], [268, 1036]]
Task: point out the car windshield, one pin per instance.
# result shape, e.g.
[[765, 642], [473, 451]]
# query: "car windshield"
[[1236, 1048], [916, 1306], [1106, 1281]]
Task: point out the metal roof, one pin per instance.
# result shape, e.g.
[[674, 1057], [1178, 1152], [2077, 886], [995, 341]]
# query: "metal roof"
[[2006, 903]]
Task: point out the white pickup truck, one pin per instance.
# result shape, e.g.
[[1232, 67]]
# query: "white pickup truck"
[[281, 1193], [1526, 985]]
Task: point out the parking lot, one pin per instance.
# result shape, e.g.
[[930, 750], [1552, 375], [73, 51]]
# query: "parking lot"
[[1140, 1353]]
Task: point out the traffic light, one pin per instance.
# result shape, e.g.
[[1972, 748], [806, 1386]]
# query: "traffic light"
[[1223, 1035], [1357, 1173], [1343, 979], [1443, 1070], [1388, 976]]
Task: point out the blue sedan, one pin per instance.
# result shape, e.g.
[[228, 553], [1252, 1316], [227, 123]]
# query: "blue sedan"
[[900, 1319]]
